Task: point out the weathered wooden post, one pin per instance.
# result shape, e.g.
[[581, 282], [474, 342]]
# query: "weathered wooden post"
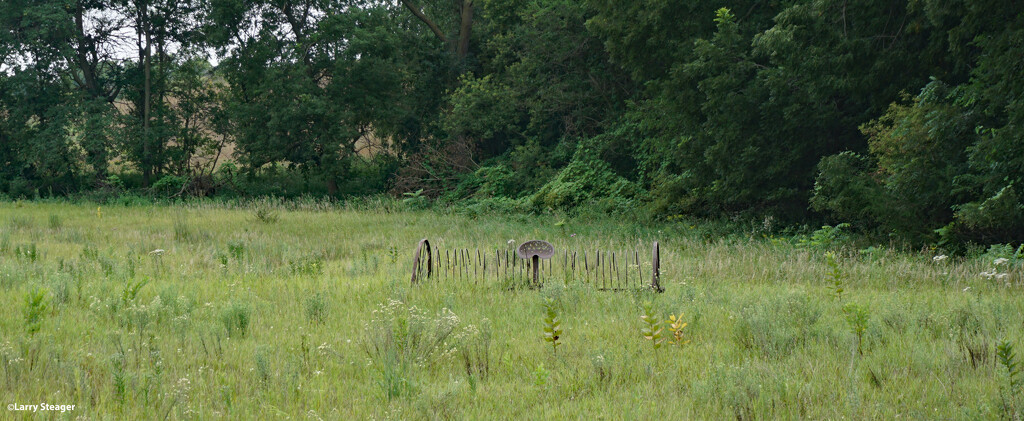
[[655, 269], [535, 250], [416, 260]]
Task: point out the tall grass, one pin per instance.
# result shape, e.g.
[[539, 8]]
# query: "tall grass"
[[238, 318]]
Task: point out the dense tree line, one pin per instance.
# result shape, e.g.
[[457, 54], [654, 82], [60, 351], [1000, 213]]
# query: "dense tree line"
[[903, 117]]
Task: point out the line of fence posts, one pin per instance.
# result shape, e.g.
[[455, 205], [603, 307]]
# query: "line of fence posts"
[[602, 270]]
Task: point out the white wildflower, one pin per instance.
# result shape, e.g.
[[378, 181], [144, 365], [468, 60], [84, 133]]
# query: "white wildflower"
[[183, 386], [1000, 261], [939, 258]]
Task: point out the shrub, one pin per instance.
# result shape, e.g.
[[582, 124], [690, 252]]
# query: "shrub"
[[400, 337], [999, 218], [475, 351], [114, 182], [265, 213], [236, 249], [587, 179], [262, 364], [36, 306], [169, 185], [409, 333], [56, 222], [935, 167], [312, 265], [845, 189], [857, 319], [415, 200], [316, 307], [236, 317], [825, 238], [835, 275], [28, 252], [490, 181]]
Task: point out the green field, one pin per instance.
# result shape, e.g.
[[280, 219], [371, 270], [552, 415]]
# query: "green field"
[[306, 311]]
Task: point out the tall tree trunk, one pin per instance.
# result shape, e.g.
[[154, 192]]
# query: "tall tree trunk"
[[465, 28], [94, 139], [147, 148], [82, 54], [158, 98]]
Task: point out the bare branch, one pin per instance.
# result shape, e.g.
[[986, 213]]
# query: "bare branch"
[[419, 14]]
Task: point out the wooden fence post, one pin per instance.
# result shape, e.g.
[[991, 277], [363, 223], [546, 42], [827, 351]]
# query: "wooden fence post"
[[416, 260], [656, 269]]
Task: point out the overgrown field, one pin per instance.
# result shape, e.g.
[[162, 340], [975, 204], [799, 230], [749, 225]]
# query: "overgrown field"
[[203, 312]]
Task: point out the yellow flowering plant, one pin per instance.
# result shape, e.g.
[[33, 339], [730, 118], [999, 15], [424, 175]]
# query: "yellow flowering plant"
[[676, 326]]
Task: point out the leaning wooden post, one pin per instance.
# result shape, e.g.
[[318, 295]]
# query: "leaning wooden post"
[[655, 269], [416, 260]]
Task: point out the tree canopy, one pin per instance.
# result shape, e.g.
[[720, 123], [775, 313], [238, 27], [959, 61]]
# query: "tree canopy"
[[901, 117]]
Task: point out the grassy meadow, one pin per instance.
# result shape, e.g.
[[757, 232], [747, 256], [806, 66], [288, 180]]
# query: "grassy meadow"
[[209, 311]]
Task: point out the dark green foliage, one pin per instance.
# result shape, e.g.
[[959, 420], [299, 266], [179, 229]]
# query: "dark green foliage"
[[169, 185], [587, 180], [740, 123], [316, 307], [317, 78], [949, 162], [236, 317], [1008, 359], [999, 218], [36, 306], [415, 200], [846, 189], [900, 118]]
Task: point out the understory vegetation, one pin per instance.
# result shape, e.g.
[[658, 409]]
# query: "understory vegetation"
[[256, 310]]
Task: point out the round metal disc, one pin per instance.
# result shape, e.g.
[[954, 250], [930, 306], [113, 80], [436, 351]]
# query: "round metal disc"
[[539, 248]]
